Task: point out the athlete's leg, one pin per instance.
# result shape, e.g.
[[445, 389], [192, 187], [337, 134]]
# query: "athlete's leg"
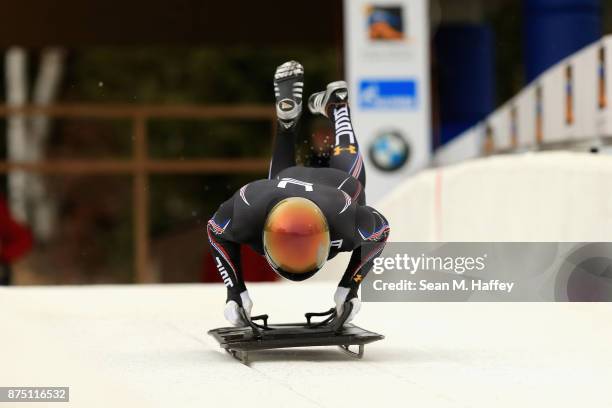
[[288, 85], [283, 150], [345, 154]]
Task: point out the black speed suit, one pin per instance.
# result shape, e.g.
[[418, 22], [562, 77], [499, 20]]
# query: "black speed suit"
[[338, 191]]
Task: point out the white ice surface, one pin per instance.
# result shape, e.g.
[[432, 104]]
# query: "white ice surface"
[[146, 346]]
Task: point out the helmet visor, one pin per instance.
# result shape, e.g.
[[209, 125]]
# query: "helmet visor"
[[296, 236]]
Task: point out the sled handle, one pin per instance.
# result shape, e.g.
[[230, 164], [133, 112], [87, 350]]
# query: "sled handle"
[[336, 321], [263, 317], [310, 315]]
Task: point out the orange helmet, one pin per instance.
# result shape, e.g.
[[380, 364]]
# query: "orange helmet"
[[296, 238]]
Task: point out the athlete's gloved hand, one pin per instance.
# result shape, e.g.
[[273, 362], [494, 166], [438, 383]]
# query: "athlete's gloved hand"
[[342, 295], [232, 310]]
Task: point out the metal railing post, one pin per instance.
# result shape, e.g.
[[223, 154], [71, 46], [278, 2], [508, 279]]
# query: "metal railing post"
[[140, 202]]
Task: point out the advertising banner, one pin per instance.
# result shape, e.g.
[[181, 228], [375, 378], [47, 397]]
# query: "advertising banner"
[[589, 92], [529, 115], [387, 67], [604, 87], [499, 129]]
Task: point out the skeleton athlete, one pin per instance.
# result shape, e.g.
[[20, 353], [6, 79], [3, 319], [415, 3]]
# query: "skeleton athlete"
[[300, 217]]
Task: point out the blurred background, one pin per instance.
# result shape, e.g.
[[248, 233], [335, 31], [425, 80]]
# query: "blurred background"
[[125, 125]]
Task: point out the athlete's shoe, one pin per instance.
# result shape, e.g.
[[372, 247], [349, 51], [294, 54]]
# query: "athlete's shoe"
[[335, 94], [288, 86]]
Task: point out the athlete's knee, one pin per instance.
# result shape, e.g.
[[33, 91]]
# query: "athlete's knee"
[[382, 224]]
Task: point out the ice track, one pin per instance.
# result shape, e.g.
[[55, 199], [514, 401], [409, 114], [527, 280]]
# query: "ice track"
[[145, 346]]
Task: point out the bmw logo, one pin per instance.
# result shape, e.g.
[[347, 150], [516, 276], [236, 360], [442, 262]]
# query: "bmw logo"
[[389, 151]]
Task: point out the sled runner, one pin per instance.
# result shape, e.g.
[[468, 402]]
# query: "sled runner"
[[239, 341]]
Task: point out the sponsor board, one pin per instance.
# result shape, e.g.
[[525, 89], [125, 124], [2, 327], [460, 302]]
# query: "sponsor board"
[[387, 66], [388, 94]]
